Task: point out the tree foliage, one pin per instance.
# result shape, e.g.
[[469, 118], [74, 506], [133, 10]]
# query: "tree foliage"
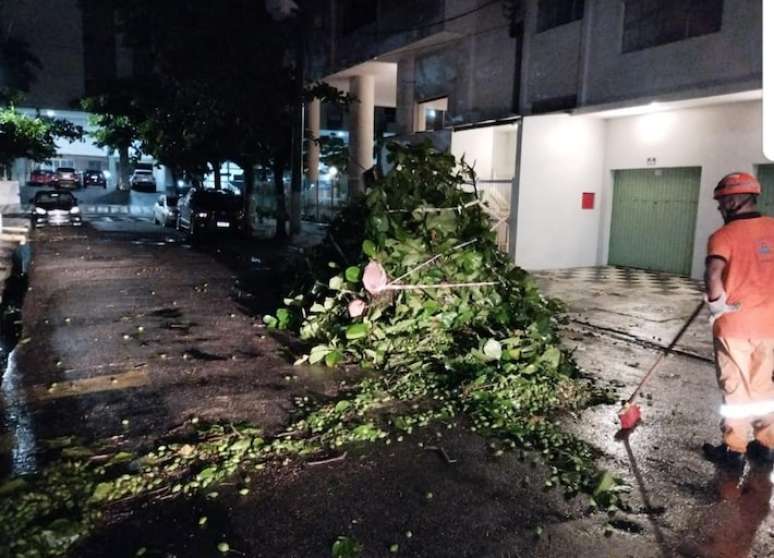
[[222, 86], [32, 137], [17, 68], [453, 329]]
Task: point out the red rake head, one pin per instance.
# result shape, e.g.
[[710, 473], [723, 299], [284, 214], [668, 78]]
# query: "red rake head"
[[629, 416]]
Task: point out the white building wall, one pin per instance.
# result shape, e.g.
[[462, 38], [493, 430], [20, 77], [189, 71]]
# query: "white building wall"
[[562, 157], [720, 139], [476, 146]]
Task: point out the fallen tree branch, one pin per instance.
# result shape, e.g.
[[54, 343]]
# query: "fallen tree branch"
[[341, 457]]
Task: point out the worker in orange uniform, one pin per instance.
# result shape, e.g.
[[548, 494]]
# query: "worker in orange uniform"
[[740, 295]]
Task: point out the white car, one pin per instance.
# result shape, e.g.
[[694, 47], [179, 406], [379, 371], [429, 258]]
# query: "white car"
[[142, 180], [165, 211]]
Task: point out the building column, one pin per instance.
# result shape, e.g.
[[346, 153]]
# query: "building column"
[[361, 132], [406, 109], [312, 138]]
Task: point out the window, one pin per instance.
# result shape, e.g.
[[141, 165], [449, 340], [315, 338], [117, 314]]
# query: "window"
[[431, 115], [649, 23], [552, 13]]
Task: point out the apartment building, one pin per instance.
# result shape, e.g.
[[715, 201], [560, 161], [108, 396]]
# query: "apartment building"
[[598, 127]]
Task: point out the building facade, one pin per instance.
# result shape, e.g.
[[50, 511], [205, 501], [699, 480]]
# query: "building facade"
[[598, 127]]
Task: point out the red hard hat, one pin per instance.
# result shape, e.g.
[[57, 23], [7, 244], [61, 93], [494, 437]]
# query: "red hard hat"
[[737, 183]]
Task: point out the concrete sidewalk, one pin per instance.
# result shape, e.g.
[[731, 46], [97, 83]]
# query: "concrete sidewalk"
[[618, 319]]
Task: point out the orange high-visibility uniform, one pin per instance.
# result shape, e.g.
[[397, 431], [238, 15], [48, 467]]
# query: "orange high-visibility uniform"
[[744, 340]]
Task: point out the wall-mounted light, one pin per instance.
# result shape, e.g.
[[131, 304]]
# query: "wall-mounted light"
[[654, 127], [50, 113]]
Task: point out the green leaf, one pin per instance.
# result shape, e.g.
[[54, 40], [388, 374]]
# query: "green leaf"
[[369, 248], [206, 474], [318, 353], [342, 406], [352, 274], [270, 321], [552, 356], [121, 457], [346, 547], [366, 432], [605, 481], [333, 358], [356, 331], [335, 283], [493, 350], [283, 318], [102, 491]]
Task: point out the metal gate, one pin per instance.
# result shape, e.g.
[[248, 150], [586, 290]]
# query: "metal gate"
[[654, 218], [766, 200]]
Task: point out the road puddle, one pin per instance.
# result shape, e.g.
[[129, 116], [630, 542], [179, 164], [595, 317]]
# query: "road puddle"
[[125, 380], [18, 419]]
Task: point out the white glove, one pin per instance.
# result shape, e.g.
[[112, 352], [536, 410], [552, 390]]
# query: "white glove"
[[720, 306]]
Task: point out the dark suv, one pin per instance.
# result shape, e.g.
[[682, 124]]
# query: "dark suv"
[[206, 210], [94, 178], [67, 177]]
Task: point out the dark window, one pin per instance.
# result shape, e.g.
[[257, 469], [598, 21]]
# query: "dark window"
[[356, 14], [649, 23], [434, 119], [552, 13]]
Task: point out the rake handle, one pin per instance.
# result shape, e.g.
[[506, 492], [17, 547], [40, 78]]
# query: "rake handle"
[[666, 351]]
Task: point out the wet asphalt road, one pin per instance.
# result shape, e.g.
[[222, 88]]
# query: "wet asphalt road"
[[128, 332]]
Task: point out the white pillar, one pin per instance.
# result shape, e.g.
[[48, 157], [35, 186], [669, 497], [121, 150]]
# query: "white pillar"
[[361, 133], [312, 137]]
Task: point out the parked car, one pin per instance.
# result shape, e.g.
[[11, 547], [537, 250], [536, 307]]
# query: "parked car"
[[94, 178], [54, 207], [41, 177], [203, 211], [142, 180], [67, 177], [165, 210]]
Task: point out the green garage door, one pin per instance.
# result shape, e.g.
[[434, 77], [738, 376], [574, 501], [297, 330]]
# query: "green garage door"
[[766, 201], [654, 218]]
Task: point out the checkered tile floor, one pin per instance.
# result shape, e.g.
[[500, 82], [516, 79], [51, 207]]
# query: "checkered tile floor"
[[625, 278]]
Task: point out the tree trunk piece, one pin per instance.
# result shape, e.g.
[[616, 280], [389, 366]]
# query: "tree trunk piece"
[[216, 174], [123, 167]]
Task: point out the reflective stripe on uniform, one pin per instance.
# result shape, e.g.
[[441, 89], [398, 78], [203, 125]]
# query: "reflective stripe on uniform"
[[747, 410]]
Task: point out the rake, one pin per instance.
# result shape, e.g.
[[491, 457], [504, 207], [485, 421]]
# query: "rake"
[[630, 414]]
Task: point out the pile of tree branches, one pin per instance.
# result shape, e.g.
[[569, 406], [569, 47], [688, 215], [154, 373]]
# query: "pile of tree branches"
[[423, 296]]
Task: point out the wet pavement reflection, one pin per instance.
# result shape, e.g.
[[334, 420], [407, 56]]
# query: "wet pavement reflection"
[[17, 418], [729, 527]]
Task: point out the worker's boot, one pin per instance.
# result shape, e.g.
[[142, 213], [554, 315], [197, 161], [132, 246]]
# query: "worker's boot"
[[722, 455], [760, 453]]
